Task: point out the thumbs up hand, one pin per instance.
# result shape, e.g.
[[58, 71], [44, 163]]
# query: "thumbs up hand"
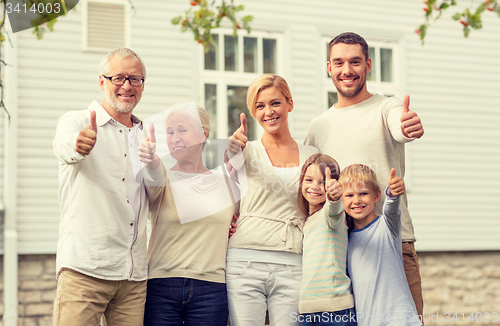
[[147, 149], [87, 137], [396, 185], [332, 187], [239, 138], [410, 122]]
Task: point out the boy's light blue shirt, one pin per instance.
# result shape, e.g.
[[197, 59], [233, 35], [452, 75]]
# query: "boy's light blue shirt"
[[375, 264]]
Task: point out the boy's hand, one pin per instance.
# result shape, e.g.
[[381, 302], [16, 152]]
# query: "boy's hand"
[[332, 187], [396, 185], [239, 138], [410, 122]]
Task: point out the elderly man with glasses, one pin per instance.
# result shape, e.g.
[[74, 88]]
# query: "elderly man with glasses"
[[101, 253]]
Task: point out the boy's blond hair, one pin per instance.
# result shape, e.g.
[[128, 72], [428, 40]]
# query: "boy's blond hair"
[[359, 176]]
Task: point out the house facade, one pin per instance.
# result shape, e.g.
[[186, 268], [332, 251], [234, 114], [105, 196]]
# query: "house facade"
[[454, 85]]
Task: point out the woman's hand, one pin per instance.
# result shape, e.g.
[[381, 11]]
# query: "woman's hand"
[[239, 138], [147, 150]]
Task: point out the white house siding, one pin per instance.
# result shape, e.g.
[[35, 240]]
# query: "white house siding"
[[454, 85], [56, 76]]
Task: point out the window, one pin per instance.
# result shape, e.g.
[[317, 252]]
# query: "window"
[[105, 24], [227, 70], [382, 78]]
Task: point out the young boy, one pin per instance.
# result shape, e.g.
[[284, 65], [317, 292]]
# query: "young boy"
[[375, 264]]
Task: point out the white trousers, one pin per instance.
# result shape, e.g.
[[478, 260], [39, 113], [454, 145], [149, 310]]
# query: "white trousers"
[[254, 287]]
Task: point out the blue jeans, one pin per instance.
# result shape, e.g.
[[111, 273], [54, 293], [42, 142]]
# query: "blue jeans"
[[338, 318], [184, 301]]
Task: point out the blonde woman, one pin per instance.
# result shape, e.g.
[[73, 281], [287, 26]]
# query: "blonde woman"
[[264, 257]]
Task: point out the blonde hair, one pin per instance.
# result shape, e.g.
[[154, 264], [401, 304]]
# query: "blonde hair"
[[322, 161], [264, 82], [357, 176]]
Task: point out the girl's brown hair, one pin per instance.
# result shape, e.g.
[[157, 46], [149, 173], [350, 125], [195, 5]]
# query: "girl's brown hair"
[[322, 161]]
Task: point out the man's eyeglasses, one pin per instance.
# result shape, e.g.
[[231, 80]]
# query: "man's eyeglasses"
[[119, 81]]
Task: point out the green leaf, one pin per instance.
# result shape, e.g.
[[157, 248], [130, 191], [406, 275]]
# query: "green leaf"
[[466, 31], [176, 20]]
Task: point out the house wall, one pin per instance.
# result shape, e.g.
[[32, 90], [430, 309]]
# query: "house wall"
[[452, 172], [453, 82], [453, 282]]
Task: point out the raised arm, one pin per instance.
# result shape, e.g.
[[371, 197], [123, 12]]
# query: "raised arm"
[[239, 138], [154, 174], [87, 137], [147, 150], [74, 140], [334, 209], [391, 210], [236, 144], [411, 126]]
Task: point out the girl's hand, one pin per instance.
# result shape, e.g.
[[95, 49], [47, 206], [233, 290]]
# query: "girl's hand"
[[396, 185], [332, 188], [147, 150]]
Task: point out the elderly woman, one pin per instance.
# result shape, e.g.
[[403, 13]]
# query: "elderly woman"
[[191, 211], [264, 261]]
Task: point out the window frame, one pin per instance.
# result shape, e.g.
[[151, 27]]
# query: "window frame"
[[222, 79]]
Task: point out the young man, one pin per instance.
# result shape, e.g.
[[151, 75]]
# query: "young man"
[[101, 253], [368, 129], [381, 292]]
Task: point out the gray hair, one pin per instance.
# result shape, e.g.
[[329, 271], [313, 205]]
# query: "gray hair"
[[196, 114], [121, 53]]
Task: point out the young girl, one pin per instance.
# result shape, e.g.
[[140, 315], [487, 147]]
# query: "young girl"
[[325, 293]]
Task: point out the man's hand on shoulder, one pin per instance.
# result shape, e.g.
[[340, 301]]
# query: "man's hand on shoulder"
[[87, 137], [411, 126]]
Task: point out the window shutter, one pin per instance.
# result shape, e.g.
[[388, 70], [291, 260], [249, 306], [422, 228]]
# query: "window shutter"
[[106, 26]]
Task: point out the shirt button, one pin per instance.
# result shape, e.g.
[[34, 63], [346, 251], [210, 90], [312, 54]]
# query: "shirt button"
[[125, 155], [121, 130], [131, 224], [123, 179], [128, 201]]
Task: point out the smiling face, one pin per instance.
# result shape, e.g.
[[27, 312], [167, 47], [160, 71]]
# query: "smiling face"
[[313, 188], [184, 139], [348, 68], [271, 110], [359, 202], [122, 99]]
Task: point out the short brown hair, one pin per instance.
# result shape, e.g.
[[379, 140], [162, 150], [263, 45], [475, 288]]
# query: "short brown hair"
[[263, 82], [322, 161], [349, 38]]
